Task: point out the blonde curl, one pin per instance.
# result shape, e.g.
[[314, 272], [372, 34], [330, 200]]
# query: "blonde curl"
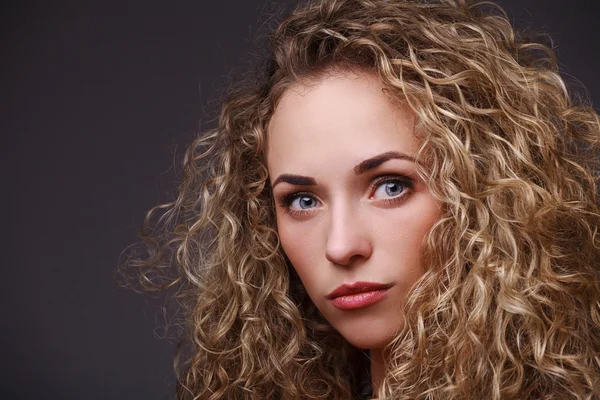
[[509, 305]]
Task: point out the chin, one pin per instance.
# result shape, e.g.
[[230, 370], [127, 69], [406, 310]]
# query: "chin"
[[368, 343], [370, 335]]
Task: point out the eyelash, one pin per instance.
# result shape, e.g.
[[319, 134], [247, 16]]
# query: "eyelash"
[[287, 201], [405, 181]]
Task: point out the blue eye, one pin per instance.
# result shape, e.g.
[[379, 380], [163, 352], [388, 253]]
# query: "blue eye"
[[303, 203], [389, 189]]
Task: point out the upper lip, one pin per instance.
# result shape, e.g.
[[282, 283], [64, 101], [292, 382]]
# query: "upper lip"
[[357, 287]]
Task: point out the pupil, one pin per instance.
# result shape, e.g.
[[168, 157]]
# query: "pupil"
[[393, 189], [306, 202]]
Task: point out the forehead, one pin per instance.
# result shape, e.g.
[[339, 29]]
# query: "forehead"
[[342, 118]]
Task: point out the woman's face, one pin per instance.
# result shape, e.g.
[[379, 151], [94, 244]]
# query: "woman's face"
[[351, 209]]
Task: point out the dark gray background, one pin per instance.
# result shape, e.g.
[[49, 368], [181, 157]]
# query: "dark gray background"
[[98, 100]]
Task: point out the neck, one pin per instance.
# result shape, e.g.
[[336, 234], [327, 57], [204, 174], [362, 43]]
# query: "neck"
[[377, 369]]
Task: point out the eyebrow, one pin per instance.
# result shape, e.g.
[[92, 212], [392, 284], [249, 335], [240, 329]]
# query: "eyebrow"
[[295, 180], [361, 168], [376, 161]]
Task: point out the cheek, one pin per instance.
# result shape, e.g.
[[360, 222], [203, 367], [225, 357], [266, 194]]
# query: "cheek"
[[418, 225], [402, 235], [407, 236], [302, 245]]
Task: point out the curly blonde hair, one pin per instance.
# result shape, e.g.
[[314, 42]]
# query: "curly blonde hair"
[[509, 305]]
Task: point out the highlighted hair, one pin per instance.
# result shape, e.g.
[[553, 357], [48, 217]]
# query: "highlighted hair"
[[509, 305]]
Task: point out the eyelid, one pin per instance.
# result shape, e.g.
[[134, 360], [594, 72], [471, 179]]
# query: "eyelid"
[[286, 200], [378, 181], [406, 181]]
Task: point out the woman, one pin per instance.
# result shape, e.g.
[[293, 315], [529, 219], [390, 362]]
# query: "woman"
[[405, 203]]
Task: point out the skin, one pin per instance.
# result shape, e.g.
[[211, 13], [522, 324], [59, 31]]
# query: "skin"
[[349, 220]]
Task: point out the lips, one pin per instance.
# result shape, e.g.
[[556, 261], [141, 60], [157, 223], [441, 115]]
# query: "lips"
[[358, 295]]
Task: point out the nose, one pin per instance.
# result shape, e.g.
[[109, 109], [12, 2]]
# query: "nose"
[[347, 240]]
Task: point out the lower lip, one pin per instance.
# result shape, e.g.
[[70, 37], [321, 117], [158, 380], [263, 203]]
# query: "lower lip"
[[359, 300]]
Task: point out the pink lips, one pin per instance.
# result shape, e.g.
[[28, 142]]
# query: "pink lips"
[[358, 295]]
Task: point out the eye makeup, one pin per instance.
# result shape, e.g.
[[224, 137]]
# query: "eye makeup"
[[403, 182], [286, 202]]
